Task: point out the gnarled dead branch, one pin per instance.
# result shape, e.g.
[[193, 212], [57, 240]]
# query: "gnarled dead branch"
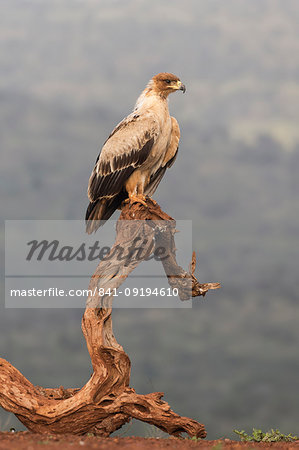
[[107, 402]]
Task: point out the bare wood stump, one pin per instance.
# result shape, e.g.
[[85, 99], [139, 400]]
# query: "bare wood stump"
[[107, 402]]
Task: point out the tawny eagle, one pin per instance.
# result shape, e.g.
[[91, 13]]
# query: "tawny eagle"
[[137, 153]]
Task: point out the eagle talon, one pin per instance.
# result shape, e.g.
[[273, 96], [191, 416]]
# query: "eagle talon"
[[136, 199]]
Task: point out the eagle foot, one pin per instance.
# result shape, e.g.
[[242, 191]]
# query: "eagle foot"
[[136, 199]]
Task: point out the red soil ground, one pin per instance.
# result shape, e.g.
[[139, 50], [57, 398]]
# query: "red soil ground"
[[30, 441]]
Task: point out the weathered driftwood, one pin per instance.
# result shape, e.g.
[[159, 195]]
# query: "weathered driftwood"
[[107, 402]]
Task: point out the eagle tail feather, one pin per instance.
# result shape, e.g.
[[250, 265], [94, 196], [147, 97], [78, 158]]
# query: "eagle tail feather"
[[101, 210]]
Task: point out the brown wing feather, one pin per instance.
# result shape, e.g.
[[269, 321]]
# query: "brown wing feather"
[[158, 175], [126, 149]]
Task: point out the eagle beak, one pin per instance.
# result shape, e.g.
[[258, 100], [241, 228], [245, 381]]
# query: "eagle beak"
[[181, 86]]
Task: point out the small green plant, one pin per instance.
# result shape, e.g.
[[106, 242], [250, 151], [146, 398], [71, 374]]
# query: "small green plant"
[[269, 436], [217, 446], [194, 438]]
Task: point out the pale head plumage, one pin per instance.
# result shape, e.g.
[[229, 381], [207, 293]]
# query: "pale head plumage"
[[162, 84], [165, 83]]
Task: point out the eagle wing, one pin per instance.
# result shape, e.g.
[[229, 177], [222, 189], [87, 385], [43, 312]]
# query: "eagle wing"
[[169, 158], [126, 149]]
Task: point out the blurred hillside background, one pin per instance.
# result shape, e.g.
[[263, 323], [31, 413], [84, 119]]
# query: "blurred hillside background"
[[71, 70]]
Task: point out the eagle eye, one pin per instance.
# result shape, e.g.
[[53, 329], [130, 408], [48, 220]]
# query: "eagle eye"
[[167, 81]]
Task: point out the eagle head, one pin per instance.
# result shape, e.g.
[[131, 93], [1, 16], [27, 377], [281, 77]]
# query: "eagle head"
[[165, 83]]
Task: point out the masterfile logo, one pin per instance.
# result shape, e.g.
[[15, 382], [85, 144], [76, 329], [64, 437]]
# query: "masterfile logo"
[[50, 263]]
